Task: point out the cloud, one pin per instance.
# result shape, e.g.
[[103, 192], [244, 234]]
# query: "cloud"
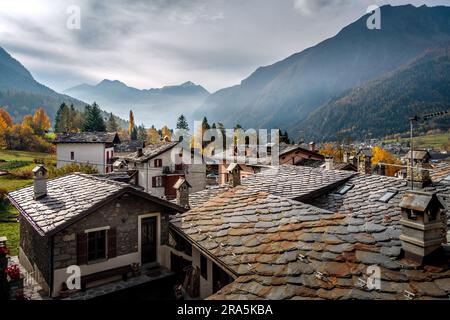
[[152, 43]]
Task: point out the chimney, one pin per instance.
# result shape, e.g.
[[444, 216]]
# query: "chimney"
[[423, 224], [421, 165], [382, 171], [365, 161], [140, 153], [329, 165], [40, 182], [120, 166], [234, 175], [346, 157], [182, 188], [312, 146]]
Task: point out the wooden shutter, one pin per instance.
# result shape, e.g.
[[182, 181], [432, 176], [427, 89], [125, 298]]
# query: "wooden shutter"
[[112, 243], [82, 256], [153, 182]]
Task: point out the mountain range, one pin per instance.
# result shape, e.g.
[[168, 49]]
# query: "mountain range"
[[360, 83], [286, 94], [21, 94], [159, 106]]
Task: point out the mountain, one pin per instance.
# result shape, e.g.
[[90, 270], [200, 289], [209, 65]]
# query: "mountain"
[[385, 105], [150, 106], [284, 94], [21, 94]]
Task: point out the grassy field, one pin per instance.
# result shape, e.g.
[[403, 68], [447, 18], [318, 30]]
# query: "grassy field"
[[432, 141], [11, 161]]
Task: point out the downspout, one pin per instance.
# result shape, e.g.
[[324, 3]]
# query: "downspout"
[[146, 179]]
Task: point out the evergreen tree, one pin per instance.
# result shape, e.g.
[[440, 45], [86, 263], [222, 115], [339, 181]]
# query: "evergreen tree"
[[133, 134], [93, 120], [182, 123], [111, 124], [141, 133], [62, 119], [205, 124]]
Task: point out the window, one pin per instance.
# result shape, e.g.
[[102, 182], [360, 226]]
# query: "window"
[[387, 196], [345, 189], [158, 163], [158, 182], [96, 245], [204, 267], [72, 155]]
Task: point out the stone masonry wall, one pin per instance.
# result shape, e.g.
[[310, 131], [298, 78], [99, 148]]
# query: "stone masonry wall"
[[127, 208]]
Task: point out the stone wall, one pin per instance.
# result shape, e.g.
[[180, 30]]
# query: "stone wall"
[[37, 251], [122, 214]]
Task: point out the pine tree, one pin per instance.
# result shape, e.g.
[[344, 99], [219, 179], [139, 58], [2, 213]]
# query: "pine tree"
[[62, 118], [111, 124], [182, 123], [133, 134], [93, 121], [141, 133]]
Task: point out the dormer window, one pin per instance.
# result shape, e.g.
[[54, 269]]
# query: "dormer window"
[[346, 188], [387, 196]]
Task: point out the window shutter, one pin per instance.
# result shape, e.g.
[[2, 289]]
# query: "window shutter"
[[163, 181], [81, 248], [112, 243], [153, 182]]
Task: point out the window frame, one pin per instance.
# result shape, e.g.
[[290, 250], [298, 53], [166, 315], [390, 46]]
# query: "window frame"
[[72, 155], [345, 189], [158, 163], [388, 194], [105, 255]]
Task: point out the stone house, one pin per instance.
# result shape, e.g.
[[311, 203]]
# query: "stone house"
[[93, 148], [160, 166], [100, 225]]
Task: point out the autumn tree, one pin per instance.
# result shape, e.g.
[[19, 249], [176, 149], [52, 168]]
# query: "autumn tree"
[[381, 155], [41, 122], [5, 117], [153, 136], [182, 123], [166, 133], [131, 123]]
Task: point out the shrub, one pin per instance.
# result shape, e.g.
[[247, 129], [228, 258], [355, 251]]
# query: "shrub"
[[3, 194], [57, 172], [22, 174]]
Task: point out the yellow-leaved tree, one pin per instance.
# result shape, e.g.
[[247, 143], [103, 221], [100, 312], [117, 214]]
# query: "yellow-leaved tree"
[[381, 155], [41, 122]]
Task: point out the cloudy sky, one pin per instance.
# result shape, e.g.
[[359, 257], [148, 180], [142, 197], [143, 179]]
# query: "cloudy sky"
[[215, 43]]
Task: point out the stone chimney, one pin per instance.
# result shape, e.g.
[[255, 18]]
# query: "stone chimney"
[[365, 161], [182, 188], [421, 165], [40, 182], [346, 157], [120, 166], [234, 175], [140, 152], [424, 222], [312, 146], [329, 165], [382, 169]]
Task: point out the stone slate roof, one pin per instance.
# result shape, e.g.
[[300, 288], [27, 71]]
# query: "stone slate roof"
[[286, 148], [418, 154], [440, 171], [68, 197], [129, 146], [285, 180], [88, 137], [279, 248], [151, 151]]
